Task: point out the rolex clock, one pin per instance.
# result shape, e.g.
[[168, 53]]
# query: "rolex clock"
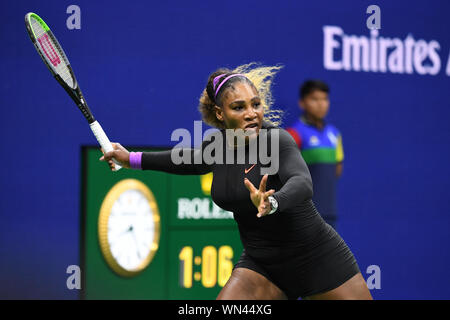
[[129, 227]]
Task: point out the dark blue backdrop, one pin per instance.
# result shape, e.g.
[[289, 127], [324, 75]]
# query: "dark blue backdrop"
[[142, 66]]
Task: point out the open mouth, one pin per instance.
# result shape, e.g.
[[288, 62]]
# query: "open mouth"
[[251, 126]]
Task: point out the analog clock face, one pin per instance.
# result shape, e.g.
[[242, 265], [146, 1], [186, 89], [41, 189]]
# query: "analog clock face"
[[129, 227]]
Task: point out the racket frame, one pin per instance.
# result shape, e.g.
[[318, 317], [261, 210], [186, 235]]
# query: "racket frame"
[[75, 92]]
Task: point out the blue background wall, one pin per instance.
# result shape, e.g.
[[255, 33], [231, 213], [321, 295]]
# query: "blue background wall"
[[142, 66]]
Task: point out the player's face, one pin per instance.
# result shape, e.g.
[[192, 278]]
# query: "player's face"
[[316, 104], [242, 109]]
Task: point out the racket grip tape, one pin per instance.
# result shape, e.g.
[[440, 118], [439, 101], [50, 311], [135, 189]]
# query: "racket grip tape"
[[103, 140]]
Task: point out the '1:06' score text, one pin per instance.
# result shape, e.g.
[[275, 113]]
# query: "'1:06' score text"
[[216, 266]]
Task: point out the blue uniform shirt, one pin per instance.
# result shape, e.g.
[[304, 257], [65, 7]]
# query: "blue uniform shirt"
[[322, 150]]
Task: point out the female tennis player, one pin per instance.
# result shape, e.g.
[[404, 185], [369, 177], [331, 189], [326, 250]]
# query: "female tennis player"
[[289, 250]]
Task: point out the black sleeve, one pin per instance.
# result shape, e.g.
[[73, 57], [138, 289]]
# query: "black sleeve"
[[293, 173], [162, 161]]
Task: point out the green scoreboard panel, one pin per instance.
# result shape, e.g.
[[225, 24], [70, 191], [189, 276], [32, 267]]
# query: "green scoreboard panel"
[[152, 235]]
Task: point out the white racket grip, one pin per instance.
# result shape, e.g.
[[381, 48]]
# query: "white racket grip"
[[103, 140]]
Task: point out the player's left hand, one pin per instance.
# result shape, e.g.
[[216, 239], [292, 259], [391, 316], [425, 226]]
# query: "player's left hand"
[[260, 196]]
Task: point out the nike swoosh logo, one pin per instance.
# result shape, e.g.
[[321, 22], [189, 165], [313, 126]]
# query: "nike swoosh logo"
[[248, 170]]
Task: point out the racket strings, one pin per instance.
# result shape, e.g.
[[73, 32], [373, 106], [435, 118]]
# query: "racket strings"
[[52, 52]]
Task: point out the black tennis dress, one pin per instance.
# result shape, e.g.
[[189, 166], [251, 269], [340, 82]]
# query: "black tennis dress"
[[294, 247]]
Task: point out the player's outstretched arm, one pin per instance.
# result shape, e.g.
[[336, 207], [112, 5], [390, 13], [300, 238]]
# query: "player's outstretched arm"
[[159, 160]]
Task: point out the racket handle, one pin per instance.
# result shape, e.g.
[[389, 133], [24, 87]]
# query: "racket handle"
[[103, 140]]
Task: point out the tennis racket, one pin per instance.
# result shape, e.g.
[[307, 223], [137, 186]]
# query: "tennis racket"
[[56, 61]]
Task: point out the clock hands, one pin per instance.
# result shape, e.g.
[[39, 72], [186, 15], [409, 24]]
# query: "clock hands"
[[117, 237], [133, 235], [137, 246], [126, 245]]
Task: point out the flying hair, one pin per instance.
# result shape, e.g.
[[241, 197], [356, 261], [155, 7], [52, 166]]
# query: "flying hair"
[[261, 77]]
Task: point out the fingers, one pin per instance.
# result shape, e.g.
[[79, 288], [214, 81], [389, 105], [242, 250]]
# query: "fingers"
[[262, 186], [262, 208], [260, 196], [265, 207], [108, 156], [263, 183], [115, 146], [249, 185], [111, 164]]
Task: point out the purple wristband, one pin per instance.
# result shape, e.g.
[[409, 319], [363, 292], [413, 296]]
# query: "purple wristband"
[[135, 160]]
